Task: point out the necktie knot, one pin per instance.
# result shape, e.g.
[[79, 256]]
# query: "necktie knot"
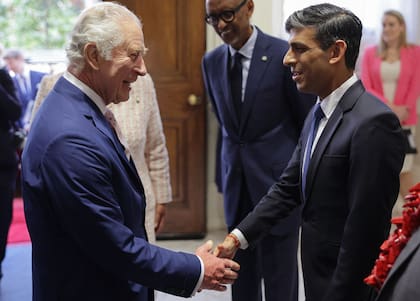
[[318, 113], [111, 118], [237, 61]]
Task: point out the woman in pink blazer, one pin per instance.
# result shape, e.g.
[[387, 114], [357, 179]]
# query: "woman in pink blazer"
[[391, 71]]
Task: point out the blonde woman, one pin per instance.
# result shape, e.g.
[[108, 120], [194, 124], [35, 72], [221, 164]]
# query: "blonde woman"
[[141, 125], [391, 71]]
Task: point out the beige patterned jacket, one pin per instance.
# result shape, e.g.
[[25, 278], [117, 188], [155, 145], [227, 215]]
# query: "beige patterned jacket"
[[141, 124]]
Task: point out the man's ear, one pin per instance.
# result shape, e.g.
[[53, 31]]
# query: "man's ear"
[[338, 51], [92, 56]]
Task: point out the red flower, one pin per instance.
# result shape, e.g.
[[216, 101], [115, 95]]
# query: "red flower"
[[392, 247]]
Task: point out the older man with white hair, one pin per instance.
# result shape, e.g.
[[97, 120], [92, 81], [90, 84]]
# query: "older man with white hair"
[[84, 201]]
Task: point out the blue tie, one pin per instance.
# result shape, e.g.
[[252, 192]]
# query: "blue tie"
[[318, 114], [236, 83]]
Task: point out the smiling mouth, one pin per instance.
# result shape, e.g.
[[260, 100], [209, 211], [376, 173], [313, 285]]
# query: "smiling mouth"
[[296, 75], [225, 32]]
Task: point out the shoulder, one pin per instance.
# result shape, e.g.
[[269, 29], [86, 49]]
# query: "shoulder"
[[271, 42], [411, 50], [216, 54], [38, 73]]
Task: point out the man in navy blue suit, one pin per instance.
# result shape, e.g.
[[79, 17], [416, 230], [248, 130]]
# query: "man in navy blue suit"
[[26, 83], [260, 113], [344, 171], [84, 201]]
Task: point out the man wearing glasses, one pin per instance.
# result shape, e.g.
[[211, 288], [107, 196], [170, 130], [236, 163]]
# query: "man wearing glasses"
[[260, 114]]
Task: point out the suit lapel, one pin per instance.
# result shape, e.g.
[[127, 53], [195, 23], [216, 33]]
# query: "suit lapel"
[[412, 245], [260, 60], [345, 104], [91, 112], [102, 125]]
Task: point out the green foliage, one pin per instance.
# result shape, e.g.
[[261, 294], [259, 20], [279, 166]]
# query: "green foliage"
[[36, 24]]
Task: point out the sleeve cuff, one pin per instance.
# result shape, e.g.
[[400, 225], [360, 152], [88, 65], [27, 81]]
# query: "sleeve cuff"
[[200, 280], [241, 237]]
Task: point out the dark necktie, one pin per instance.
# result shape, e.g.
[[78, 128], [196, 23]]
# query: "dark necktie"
[[318, 114], [236, 83]]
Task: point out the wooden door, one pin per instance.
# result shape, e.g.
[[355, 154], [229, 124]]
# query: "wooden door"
[[175, 35]]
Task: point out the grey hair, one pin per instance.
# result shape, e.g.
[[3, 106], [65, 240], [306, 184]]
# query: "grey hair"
[[99, 24]]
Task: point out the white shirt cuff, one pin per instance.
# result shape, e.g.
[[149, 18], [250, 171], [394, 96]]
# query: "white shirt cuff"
[[200, 280], [241, 237]]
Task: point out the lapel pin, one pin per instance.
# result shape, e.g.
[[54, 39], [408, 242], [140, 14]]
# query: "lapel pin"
[[264, 58]]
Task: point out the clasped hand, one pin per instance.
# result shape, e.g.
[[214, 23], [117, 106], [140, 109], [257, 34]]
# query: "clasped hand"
[[218, 272]]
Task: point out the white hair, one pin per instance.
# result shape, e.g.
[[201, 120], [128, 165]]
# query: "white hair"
[[99, 24]]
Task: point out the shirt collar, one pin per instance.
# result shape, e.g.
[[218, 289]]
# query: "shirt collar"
[[26, 73], [329, 103], [248, 47], [87, 90]]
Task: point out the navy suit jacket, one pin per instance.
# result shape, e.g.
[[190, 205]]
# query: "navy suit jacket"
[[403, 279], [35, 78], [352, 185], [258, 146], [84, 206]]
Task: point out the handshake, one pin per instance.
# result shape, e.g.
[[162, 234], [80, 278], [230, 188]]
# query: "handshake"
[[219, 268]]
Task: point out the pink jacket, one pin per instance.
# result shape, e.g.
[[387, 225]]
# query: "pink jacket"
[[408, 86]]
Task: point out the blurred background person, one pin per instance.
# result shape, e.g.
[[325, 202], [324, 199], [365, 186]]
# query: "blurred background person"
[[10, 111], [26, 83], [141, 125], [391, 71]]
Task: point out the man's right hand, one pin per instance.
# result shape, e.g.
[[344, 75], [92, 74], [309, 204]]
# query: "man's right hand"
[[218, 272], [228, 248]]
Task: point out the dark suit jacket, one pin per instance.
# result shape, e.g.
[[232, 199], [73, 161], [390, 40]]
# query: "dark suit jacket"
[[35, 79], [352, 185], [10, 111], [84, 206], [403, 283], [258, 146]]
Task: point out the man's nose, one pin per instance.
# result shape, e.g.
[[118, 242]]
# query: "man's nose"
[[220, 25], [288, 59], [140, 66]]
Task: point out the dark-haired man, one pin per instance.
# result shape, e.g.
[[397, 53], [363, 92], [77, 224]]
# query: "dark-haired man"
[[345, 168]]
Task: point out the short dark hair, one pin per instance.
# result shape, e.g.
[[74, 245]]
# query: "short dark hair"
[[331, 23]]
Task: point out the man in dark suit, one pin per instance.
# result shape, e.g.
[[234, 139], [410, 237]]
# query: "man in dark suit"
[[9, 113], [259, 132], [26, 82], [84, 202], [347, 177], [402, 282]]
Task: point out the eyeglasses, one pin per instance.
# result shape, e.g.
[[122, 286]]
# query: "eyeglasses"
[[227, 15]]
